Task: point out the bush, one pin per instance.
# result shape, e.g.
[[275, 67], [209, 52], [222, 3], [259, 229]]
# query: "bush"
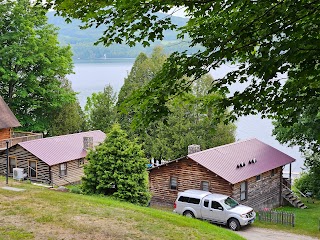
[[75, 189], [303, 183], [308, 182], [117, 167]]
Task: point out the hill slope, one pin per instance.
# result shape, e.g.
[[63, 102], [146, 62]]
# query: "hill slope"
[[39, 213], [82, 41]]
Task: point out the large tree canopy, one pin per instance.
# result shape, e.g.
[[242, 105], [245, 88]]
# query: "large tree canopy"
[[69, 118], [265, 39], [191, 120], [100, 109], [32, 65]]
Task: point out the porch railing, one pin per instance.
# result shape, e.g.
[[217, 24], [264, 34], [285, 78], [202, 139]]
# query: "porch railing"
[[287, 184], [18, 137]]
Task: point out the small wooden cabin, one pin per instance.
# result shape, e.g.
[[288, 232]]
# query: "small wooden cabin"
[[250, 171], [7, 121], [9, 137], [56, 160]]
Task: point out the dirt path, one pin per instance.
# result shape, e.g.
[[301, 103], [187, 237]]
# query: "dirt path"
[[253, 233]]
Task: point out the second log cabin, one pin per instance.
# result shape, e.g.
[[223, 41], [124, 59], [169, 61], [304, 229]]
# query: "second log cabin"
[[55, 160], [250, 171]]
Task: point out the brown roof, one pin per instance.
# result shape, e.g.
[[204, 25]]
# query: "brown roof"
[[227, 161], [59, 149], [241, 160], [7, 118]]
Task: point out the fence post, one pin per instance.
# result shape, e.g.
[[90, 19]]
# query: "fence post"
[[292, 219]]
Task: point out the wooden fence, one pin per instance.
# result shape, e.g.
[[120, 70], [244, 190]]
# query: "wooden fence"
[[284, 218]]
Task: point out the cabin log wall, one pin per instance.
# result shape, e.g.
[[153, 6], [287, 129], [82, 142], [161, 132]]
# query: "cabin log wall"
[[74, 173], [5, 133], [23, 157], [261, 194], [189, 175]]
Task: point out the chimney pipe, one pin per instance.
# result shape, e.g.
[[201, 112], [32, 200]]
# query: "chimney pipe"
[[87, 143], [193, 148]]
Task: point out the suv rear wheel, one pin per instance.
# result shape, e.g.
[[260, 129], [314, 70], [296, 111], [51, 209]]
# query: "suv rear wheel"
[[188, 214], [233, 224]]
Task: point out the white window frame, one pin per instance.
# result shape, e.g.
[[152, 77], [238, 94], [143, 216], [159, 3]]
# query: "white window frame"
[[173, 184], [63, 169], [12, 166], [244, 191], [207, 188]]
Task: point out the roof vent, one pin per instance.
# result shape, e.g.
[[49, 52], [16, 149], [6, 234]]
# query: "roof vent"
[[254, 160], [240, 165]]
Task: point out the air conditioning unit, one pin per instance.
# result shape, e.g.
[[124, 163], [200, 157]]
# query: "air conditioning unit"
[[18, 174]]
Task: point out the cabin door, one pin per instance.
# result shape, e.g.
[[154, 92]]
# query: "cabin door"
[[32, 172]]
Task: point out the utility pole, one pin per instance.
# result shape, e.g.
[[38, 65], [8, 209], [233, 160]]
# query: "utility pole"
[[7, 166]]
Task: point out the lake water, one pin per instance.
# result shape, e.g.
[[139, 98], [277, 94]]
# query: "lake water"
[[92, 77]]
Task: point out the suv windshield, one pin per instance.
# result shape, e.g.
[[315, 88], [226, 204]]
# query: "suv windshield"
[[231, 203]]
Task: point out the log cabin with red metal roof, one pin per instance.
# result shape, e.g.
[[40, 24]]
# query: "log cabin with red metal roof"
[[250, 171], [55, 160]]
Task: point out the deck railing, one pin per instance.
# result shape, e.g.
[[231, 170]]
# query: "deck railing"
[[18, 137]]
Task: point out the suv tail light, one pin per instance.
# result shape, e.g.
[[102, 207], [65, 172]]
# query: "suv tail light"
[[174, 205]]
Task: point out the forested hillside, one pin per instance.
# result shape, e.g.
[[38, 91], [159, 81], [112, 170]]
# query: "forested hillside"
[[82, 41]]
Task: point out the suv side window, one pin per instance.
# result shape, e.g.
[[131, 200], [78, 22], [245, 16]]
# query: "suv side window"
[[183, 199], [206, 203], [194, 200], [216, 205], [189, 200]]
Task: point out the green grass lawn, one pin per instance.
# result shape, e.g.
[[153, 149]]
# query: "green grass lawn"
[[306, 220], [40, 213]]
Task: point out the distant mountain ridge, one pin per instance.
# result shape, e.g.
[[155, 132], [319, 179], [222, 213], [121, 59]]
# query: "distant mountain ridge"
[[82, 41]]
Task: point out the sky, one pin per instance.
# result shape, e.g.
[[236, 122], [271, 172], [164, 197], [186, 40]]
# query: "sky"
[[178, 12]]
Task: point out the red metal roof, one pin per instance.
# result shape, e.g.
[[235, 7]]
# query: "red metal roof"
[[59, 149], [7, 118], [223, 160]]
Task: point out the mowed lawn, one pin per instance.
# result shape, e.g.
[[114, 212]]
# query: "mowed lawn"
[[40, 213], [307, 221]]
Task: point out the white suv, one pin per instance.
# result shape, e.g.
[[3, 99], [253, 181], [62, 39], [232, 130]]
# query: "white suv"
[[214, 207]]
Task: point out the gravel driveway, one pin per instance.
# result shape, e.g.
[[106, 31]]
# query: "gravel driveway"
[[254, 233]]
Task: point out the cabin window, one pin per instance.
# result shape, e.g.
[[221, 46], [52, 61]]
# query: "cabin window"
[[205, 186], [80, 162], [272, 172], [206, 203], [63, 169], [32, 169], [173, 183], [258, 177], [12, 164], [243, 191]]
